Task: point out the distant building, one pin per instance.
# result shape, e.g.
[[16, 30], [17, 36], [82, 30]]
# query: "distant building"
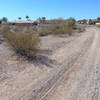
[[45, 22], [23, 23], [97, 23], [55, 21]]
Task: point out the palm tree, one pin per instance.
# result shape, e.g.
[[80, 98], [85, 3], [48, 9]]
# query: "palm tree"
[[27, 17], [39, 20], [19, 18], [43, 19]]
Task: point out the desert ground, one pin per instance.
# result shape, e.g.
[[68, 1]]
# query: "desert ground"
[[66, 68]]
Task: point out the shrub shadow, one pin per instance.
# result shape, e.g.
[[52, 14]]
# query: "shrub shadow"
[[43, 60], [45, 52], [1, 41]]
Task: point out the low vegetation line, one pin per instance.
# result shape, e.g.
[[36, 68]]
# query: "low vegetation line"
[[25, 40]]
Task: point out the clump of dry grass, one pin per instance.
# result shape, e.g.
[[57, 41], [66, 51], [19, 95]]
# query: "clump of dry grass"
[[98, 26], [43, 31], [6, 29], [23, 44], [67, 30]]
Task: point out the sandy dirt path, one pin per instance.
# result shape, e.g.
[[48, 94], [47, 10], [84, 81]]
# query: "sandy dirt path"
[[82, 82]]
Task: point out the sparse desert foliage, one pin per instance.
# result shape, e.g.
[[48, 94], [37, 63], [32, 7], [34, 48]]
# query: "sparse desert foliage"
[[43, 31], [23, 44], [65, 30], [98, 26], [25, 39], [71, 22]]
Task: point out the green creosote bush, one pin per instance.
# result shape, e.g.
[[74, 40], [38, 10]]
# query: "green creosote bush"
[[23, 44], [44, 31], [63, 31], [18, 28], [55, 27], [98, 26], [6, 29]]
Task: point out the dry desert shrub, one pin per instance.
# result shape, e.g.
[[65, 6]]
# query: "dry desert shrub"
[[65, 30], [23, 44]]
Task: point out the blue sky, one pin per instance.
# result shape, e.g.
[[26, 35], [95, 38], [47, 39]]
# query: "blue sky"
[[79, 9]]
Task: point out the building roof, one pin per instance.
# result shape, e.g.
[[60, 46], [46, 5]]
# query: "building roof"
[[54, 21], [22, 22]]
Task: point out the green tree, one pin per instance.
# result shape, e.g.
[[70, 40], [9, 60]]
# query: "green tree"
[[4, 20], [71, 22], [83, 21], [43, 19], [98, 18], [27, 17], [91, 22], [39, 19], [19, 18], [35, 23]]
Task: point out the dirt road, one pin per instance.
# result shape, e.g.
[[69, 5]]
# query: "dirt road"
[[82, 81], [69, 72]]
